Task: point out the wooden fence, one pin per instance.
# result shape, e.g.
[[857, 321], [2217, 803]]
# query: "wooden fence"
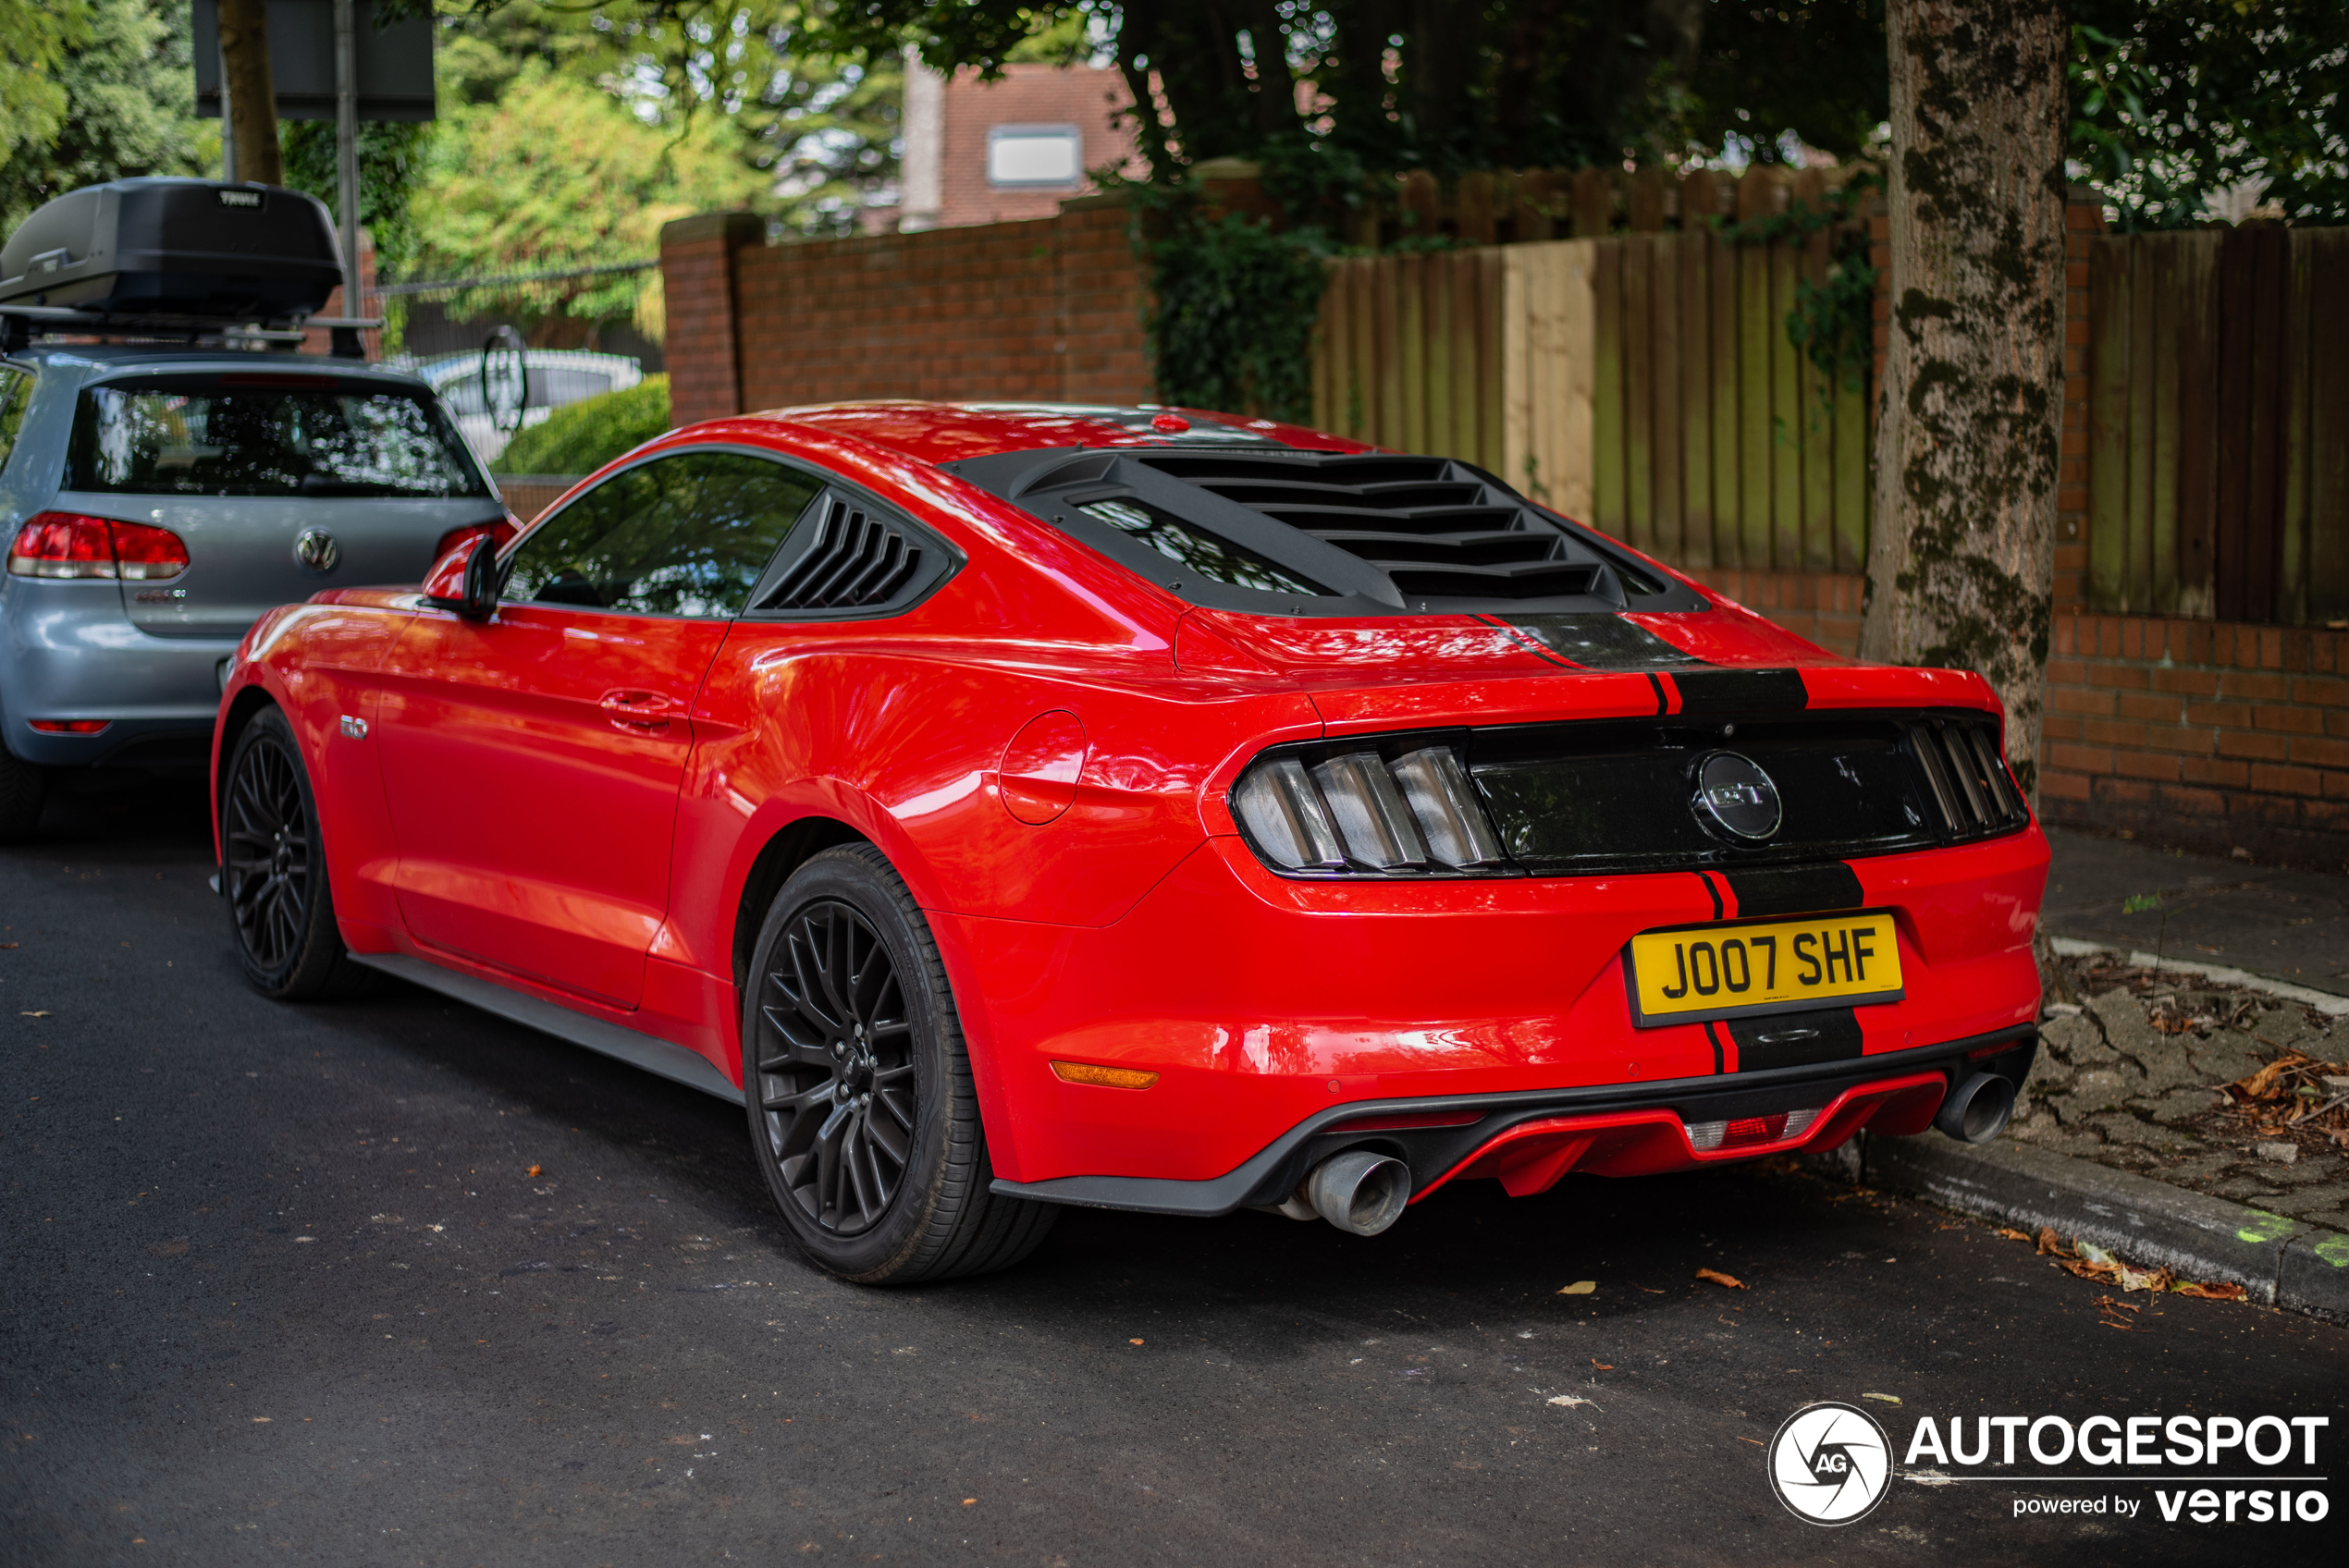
[[1644, 383], [2219, 427]]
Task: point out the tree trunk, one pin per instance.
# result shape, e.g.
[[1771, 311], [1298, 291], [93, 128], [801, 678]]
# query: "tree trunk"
[[1969, 433], [252, 95]]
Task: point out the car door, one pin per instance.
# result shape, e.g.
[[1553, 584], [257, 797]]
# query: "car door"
[[533, 759]]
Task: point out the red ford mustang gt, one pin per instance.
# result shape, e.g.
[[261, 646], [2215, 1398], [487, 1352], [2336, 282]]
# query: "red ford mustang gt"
[[1016, 806]]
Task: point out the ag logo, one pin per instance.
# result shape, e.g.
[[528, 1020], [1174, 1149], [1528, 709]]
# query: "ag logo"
[[1831, 1463]]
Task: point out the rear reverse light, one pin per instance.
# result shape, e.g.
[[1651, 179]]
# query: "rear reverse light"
[[70, 725], [1747, 1130], [66, 544], [1359, 811]]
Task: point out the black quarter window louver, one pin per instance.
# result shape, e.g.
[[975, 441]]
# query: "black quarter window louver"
[[1971, 791], [855, 561]]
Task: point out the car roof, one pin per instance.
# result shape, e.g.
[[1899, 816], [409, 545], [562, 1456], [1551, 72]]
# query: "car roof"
[[107, 358], [944, 433]]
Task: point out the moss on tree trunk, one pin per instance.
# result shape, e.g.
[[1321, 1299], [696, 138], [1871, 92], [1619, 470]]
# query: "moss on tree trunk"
[[1969, 438]]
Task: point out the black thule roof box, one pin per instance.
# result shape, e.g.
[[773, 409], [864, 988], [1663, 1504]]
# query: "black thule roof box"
[[166, 255]]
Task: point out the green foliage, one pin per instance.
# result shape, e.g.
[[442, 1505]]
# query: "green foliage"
[[1834, 320], [2174, 100], [557, 175], [391, 156], [1233, 324], [819, 125], [34, 36], [1397, 84], [127, 98], [582, 437]]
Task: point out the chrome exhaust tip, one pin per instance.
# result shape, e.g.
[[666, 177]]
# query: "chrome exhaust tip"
[[1359, 1191], [1976, 1111]]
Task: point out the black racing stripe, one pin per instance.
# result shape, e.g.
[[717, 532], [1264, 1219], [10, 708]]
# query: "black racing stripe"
[[1709, 1033], [1663, 703], [1711, 892], [1601, 640], [1740, 691], [1795, 1039], [1795, 889]]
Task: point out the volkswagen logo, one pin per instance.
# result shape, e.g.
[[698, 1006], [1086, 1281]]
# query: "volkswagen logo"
[[1830, 1462], [1737, 797], [317, 551]]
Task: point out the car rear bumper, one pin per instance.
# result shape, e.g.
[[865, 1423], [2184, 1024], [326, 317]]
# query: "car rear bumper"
[[1264, 1006], [1529, 1142], [68, 652]]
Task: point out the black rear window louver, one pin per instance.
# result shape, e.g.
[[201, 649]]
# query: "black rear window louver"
[[1966, 778], [1428, 528], [857, 562]]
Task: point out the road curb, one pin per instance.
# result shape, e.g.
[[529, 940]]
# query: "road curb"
[[2326, 1002], [2282, 1262]]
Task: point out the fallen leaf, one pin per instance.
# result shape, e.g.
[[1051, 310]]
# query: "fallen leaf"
[[533, 1170], [6, 945], [1757, 1442], [1571, 1400], [1727, 1281], [968, 1501], [1889, 1399], [1580, 1288], [2112, 1305], [261, 1420], [1602, 1366], [2230, 1291], [43, 1013], [1133, 1342], [2012, 1234]]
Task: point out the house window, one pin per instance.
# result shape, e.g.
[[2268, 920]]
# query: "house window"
[[1034, 154]]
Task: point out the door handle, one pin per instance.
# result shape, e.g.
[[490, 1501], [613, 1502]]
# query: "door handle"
[[646, 711]]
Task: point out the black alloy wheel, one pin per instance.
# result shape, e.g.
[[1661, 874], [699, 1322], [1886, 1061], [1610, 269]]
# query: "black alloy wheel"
[[266, 843], [863, 1116], [273, 876], [836, 1070]]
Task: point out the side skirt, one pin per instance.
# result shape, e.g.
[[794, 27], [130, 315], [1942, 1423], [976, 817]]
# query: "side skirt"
[[637, 1049]]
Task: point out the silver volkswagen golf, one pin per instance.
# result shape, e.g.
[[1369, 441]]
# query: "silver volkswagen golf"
[[156, 501]]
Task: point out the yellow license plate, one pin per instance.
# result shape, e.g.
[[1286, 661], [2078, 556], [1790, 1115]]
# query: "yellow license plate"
[[1779, 966]]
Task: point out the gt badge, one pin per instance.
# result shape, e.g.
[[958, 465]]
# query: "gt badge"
[[1737, 797]]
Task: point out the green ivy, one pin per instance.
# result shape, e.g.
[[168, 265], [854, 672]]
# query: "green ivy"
[[1232, 325]]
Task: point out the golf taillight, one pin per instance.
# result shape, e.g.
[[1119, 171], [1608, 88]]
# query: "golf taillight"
[[1334, 811], [67, 544], [505, 528]]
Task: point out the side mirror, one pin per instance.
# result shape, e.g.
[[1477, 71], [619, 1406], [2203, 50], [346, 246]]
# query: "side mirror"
[[481, 581]]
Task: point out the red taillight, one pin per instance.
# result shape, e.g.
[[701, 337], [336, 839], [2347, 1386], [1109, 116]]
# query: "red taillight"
[[146, 554], [505, 528], [68, 544], [70, 725]]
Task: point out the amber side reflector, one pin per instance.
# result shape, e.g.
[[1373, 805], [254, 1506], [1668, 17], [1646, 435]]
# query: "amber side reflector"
[[1105, 1077]]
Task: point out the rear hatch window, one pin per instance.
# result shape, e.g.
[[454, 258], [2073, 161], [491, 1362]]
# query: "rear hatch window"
[[239, 433]]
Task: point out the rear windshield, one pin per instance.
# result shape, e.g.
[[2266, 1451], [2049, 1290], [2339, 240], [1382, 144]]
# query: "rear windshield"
[[260, 434]]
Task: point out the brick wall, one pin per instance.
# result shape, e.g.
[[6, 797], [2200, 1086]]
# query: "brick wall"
[[1047, 310], [2207, 735]]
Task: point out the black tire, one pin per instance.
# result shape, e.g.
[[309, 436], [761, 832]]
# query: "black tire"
[[862, 1114], [273, 877], [24, 786]]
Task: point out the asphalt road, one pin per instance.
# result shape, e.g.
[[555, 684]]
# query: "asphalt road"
[[278, 1286]]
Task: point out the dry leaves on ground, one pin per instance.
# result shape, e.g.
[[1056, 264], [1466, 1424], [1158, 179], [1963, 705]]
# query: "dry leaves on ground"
[[2092, 1262], [1727, 1281]]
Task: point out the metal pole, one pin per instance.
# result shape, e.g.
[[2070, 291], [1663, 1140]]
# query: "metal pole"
[[228, 126], [347, 156]]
